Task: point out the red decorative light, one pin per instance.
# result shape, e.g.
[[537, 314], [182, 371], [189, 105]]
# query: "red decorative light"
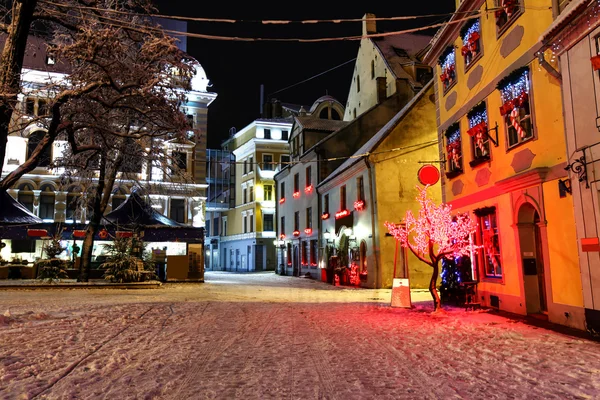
[[308, 231], [103, 234], [37, 232], [282, 200], [79, 233], [296, 195], [341, 214], [124, 234], [359, 205], [296, 233], [308, 189], [282, 236], [325, 216]]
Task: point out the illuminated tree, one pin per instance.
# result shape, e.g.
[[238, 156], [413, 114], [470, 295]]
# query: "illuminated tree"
[[434, 234]]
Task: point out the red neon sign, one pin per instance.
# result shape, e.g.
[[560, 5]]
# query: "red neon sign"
[[359, 205], [308, 189], [341, 214], [282, 236], [37, 232], [325, 216], [79, 233], [308, 231], [296, 195], [296, 233], [282, 200]]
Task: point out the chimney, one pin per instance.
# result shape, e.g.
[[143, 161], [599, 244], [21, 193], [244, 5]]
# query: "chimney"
[[381, 89], [369, 24], [262, 98], [277, 110], [267, 110]]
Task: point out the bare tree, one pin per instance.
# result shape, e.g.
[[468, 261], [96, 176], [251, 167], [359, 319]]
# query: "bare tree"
[[120, 124]]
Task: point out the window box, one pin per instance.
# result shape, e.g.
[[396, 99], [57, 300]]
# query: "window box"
[[453, 174], [506, 14], [479, 161]]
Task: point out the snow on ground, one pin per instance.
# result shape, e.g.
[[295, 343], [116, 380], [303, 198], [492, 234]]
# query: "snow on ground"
[[264, 336]]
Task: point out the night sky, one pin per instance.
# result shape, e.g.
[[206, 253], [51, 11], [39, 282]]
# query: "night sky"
[[236, 69]]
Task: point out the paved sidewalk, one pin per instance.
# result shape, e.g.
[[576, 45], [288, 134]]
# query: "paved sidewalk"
[[11, 284]]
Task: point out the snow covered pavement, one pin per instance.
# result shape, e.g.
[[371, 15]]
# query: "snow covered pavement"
[[263, 336]]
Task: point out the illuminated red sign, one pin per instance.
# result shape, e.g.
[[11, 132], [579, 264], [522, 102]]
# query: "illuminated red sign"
[[79, 233], [359, 205], [296, 233], [37, 232], [325, 216], [341, 214], [308, 189], [282, 236], [282, 200], [308, 231], [296, 195]]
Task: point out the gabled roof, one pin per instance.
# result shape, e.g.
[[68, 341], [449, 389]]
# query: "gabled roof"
[[319, 124], [14, 213], [376, 139], [136, 212], [398, 50]]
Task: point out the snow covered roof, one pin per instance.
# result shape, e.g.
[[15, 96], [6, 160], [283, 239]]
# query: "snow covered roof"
[[135, 211], [398, 50]]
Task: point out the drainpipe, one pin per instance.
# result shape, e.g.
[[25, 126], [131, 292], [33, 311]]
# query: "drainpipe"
[[549, 68], [374, 230]]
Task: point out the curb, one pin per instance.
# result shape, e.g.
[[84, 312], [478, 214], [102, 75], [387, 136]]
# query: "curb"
[[82, 285]]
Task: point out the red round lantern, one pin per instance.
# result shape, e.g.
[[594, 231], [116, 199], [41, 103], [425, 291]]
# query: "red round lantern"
[[103, 234], [428, 175]]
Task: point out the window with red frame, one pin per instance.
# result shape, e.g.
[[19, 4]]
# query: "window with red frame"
[[489, 254], [454, 150]]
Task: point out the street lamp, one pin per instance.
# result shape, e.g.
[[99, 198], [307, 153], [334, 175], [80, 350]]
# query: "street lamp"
[[281, 244], [327, 236]]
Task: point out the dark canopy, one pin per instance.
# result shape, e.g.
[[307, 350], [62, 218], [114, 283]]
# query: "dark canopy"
[[14, 213], [136, 212]]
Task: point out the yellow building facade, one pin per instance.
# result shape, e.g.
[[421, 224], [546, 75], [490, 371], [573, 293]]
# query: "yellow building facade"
[[501, 134]]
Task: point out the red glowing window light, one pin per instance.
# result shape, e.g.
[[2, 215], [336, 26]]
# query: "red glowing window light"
[[308, 189], [296, 195], [308, 231], [341, 214], [296, 233], [282, 200], [37, 232], [282, 236], [325, 216], [359, 205]]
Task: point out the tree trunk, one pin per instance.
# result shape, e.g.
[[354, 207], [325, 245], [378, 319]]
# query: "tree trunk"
[[86, 254], [11, 63], [437, 302]]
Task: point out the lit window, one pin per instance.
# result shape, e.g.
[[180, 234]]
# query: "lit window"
[[453, 149], [516, 108], [447, 62]]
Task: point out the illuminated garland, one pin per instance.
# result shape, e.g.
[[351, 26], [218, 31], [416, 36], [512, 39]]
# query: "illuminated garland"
[[296, 195], [453, 146], [478, 129], [359, 205], [448, 67], [282, 200], [325, 216], [471, 41], [308, 189], [308, 231]]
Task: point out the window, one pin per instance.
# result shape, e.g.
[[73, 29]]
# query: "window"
[[30, 106], [180, 160], [372, 69], [284, 135], [296, 183], [178, 210], [190, 121], [34, 139], [478, 132], [268, 222], [357, 83], [354, 113], [245, 167], [224, 231], [297, 221], [250, 164], [207, 230], [117, 201], [25, 197], [268, 193], [47, 204], [453, 148], [216, 226], [516, 109], [72, 205], [251, 223], [245, 195], [309, 218], [282, 191], [489, 255], [268, 162], [284, 160], [343, 197], [471, 38], [282, 227], [507, 11], [42, 108], [313, 253], [360, 189], [251, 194], [267, 134], [326, 204], [308, 176], [303, 246], [447, 63], [50, 60]]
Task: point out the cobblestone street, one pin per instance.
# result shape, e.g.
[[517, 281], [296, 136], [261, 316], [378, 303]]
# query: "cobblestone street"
[[260, 336]]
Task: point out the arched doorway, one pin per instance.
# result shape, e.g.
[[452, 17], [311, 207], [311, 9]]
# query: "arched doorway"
[[532, 259]]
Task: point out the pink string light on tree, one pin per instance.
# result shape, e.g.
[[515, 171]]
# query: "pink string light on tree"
[[433, 235]]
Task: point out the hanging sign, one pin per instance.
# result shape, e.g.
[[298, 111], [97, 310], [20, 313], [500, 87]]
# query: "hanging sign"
[[428, 175], [79, 233], [37, 232]]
